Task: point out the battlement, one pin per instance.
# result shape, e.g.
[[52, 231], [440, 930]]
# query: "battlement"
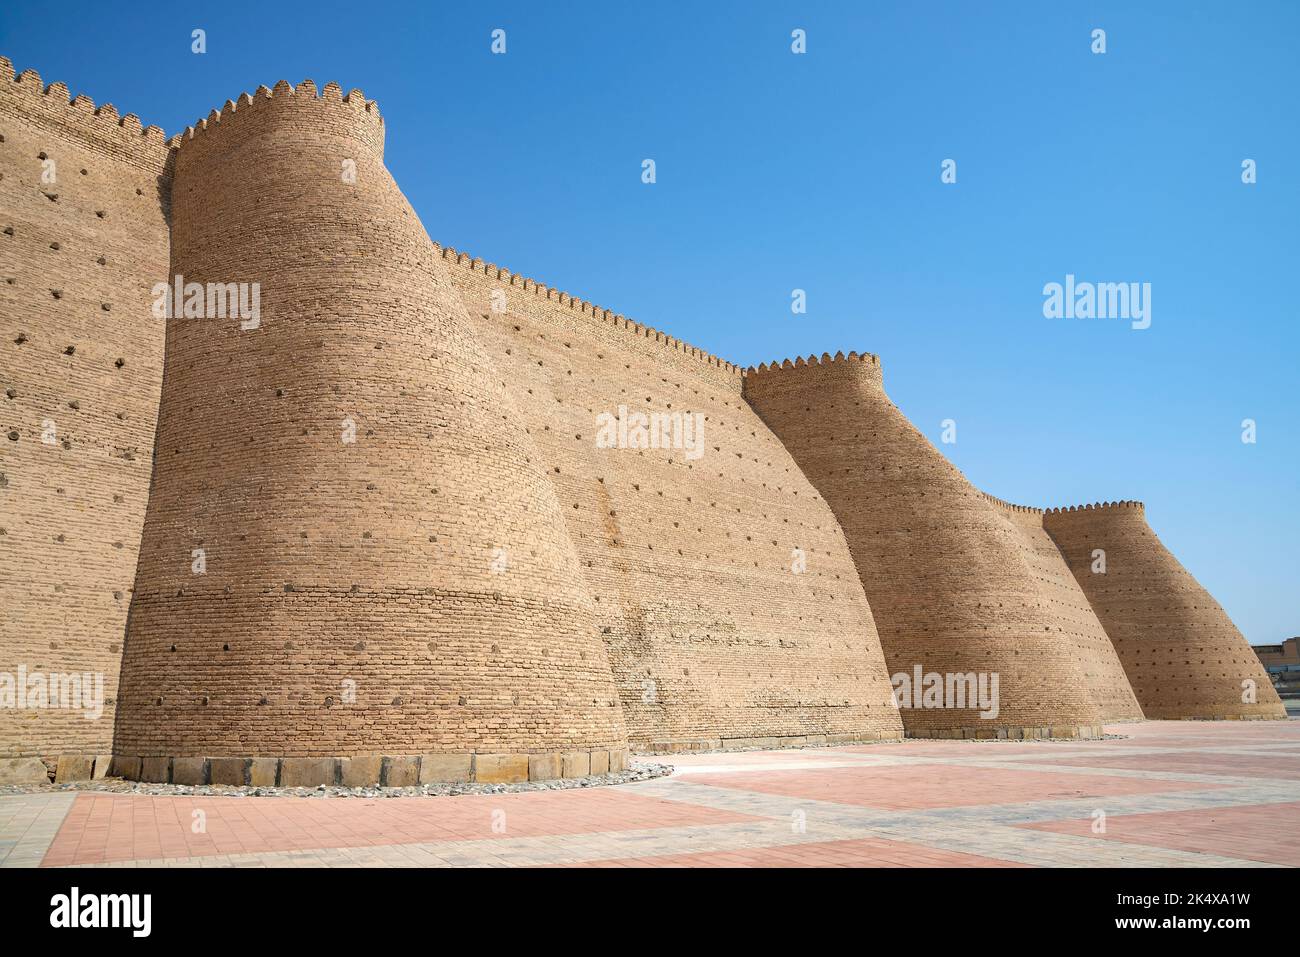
[[100, 128], [1012, 506], [826, 359], [1096, 507], [1061, 510], [855, 370], [582, 306], [353, 113]]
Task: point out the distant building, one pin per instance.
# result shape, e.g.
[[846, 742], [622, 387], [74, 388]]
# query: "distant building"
[[1282, 662]]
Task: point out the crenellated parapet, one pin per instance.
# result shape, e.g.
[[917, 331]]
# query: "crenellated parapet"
[[1095, 507], [581, 306], [293, 108], [853, 363], [1012, 507], [99, 128]]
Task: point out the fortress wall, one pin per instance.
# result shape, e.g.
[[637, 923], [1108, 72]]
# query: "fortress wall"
[[335, 567], [713, 637], [953, 586], [1183, 655], [83, 238], [1107, 683]]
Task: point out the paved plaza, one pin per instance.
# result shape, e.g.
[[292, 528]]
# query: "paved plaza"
[[1175, 794]]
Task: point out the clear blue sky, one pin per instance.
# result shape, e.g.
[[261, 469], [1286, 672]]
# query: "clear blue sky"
[[821, 172]]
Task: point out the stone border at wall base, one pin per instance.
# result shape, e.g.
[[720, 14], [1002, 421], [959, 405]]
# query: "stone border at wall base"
[[1219, 717], [64, 768], [1052, 733], [1045, 733], [367, 770], [770, 743]]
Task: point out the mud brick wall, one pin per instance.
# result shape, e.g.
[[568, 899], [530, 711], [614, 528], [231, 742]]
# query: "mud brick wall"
[[333, 567], [1183, 655], [83, 238], [412, 544], [948, 576], [1107, 683], [712, 636]]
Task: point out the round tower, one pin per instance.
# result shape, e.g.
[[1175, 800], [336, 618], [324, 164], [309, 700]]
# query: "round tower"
[[1102, 671], [945, 573], [350, 550], [1183, 655]]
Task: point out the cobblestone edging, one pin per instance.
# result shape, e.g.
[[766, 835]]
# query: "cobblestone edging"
[[638, 771]]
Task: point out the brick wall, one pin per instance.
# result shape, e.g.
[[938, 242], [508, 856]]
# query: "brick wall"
[[951, 581], [474, 567], [1184, 657], [1107, 683], [83, 240], [335, 566], [713, 636]]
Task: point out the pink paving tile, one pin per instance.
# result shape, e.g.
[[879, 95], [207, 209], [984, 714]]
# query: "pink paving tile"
[[739, 758], [1271, 765], [914, 787], [865, 852], [114, 827], [1184, 734], [1252, 832], [992, 750]]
